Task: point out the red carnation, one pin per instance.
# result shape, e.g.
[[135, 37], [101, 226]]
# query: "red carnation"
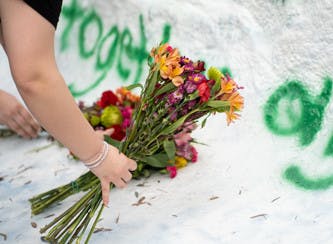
[[108, 98], [118, 133], [204, 92]]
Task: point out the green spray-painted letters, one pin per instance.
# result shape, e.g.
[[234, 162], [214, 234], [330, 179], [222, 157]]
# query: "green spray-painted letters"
[[115, 43]]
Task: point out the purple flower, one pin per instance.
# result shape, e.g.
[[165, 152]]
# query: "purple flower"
[[173, 116], [191, 104], [197, 78], [184, 111], [184, 60], [185, 151], [188, 67], [199, 66], [188, 107], [81, 105], [190, 86], [176, 96]]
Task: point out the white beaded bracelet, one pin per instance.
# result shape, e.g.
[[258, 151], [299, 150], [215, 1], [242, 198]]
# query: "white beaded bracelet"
[[100, 158]]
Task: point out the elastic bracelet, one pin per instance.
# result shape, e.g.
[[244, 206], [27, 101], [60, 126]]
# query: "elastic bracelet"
[[99, 160], [98, 156], [94, 158]]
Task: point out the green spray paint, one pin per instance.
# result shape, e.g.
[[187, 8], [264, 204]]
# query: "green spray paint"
[[280, 1], [294, 175], [303, 113], [329, 148], [226, 71], [71, 13], [305, 121], [115, 43], [89, 19]]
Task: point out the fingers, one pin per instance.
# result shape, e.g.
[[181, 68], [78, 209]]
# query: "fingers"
[[108, 132], [102, 133], [22, 122], [116, 169], [132, 165], [120, 183], [25, 125], [105, 184], [17, 128], [126, 177], [16, 116], [30, 120]]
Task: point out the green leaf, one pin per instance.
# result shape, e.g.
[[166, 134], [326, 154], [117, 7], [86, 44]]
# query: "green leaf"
[[146, 173], [152, 83], [200, 143], [203, 123], [133, 86], [217, 86], [192, 96], [221, 110], [170, 129], [170, 148], [159, 160], [112, 142], [167, 88], [140, 167], [218, 104], [216, 75]]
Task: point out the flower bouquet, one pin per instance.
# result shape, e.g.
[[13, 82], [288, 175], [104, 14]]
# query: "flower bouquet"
[[175, 96]]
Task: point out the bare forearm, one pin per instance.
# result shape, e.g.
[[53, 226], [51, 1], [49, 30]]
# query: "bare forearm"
[[49, 99]]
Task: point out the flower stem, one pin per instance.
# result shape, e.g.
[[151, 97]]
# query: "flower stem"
[[68, 213], [94, 224]]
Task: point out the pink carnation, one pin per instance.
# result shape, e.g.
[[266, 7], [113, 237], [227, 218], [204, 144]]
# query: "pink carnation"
[[126, 123], [182, 138], [127, 112], [172, 171], [184, 151], [194, 154]]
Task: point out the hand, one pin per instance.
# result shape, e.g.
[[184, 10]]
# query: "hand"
[[116, 169], [16, 117], [102, 133]]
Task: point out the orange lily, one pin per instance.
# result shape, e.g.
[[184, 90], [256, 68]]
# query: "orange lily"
[[236, 101], [227, 85], [231, 116]]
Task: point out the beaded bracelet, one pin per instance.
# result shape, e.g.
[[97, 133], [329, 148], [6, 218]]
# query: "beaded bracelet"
[[100, 158]]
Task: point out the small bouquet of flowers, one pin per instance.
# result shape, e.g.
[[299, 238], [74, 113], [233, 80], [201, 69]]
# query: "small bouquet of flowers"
[[156, 131]]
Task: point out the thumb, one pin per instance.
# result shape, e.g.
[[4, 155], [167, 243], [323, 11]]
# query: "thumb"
[[102, 133], [108, 132], [105, 191]]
